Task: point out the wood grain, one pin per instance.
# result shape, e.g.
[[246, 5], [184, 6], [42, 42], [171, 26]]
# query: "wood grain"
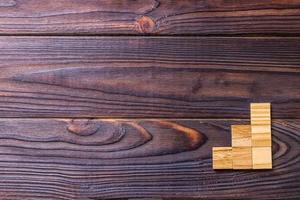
[[262, 157], [97, 159], [242, 158], [157, 17], [261, 124], [222, 158], [241, 136], [148, 77]]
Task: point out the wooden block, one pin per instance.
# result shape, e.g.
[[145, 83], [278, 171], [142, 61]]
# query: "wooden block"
[[261, 124], [241, 157], [262, 157], [260, 112], [241, 135], [222, 158], [266, 128], [261, 139]]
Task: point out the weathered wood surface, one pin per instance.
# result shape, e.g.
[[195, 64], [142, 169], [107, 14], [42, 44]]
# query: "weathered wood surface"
[[159, 17], [148, 77], [96, 159]]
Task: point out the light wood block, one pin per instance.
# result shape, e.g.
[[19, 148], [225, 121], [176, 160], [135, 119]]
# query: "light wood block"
[[261, 139], [262, 157], [242, 157], [241, 135], [261, 124], [261, 115], [222, 158]]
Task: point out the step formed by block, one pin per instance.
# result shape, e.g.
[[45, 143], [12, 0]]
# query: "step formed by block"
[[261, 124], [262, 157], [241, 135], [222, 158], [251, 144], [241, 157]]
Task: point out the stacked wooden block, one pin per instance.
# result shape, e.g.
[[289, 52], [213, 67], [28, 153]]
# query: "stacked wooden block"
[[251, 144]]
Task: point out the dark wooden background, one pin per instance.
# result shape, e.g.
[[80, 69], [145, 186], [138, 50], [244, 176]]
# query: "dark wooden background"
[[124, 99]]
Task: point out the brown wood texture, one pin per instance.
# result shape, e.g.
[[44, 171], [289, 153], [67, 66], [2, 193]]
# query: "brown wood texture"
[[158, 17], [98, 159], [148, 77], [53, 84]]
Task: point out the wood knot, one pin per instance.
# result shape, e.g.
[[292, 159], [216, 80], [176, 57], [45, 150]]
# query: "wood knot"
[[83, 127], [145, 24]]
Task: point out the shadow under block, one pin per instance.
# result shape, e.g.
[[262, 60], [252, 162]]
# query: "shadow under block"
[[241, 157], [262, 157], [222, 158], [261, 124], [241, 135]]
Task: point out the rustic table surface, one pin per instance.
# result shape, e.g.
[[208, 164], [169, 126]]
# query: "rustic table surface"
[[125, 99]]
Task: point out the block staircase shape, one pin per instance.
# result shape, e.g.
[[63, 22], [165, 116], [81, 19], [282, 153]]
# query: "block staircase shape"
[[251, 144]]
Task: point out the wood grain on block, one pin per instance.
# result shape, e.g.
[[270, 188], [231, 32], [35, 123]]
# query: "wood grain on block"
[[242, 157], [159, 17], [261, 139], [148, 77], [261, 124], [260, 114], [222, 158], [113, 159], [262, 157], [241, 135]]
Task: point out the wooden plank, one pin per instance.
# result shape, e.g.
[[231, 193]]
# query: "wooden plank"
[[148, 77], [98, 159], [159, 17]]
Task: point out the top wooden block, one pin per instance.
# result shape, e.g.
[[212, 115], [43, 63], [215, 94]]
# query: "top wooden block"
[[260, 113], [261, 124]]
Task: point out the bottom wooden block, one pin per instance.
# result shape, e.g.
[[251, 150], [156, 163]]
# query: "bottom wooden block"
[[222, 158], [262, 157], [242, 157]]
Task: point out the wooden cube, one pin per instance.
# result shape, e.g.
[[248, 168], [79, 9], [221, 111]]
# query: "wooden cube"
[[260, 113], [222, 158], [262, 157], [261, 139], [261, 124], [242, 157], [241, 135]]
